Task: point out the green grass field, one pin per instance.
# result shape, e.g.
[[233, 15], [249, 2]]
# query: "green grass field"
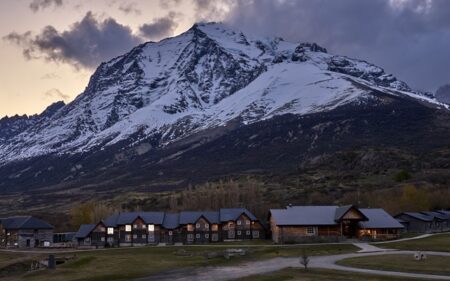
[[438, 242], [124, 264], [297, 274], [405, 263]]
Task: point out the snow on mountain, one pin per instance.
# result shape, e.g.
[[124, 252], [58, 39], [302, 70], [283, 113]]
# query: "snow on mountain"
[[201, 79]]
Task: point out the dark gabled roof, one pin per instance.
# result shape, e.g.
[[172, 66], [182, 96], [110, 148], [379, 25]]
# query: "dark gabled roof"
[[341, 211], [25, 222], [232, 214], [437, 215], [378, 218], [171, 221], [84, 230], [418, 216], [188, 217], [130, 217], [444, 212], [304, 215]]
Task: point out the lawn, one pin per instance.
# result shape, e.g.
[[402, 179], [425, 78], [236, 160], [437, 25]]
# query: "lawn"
[[438, 242], [128, 263], [292, 274], [405, 263]]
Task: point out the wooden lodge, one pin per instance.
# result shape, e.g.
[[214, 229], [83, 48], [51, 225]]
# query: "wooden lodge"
[[299, 224], [25, 232], [144, 228]]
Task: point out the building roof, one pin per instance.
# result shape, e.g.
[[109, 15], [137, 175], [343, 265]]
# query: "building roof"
[[130, 217], [418, 216], [378, 218], [84, 230], [171, 221], [444, 212], [25, 222], [189, 217], [341, 211], [438, 215], [232, 214], [305, 215]]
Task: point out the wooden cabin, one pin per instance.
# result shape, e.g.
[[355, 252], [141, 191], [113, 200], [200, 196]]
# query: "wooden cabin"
[[300, 224], [25, 232]]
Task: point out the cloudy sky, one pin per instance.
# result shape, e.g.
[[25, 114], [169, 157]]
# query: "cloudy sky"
[[49, 48]]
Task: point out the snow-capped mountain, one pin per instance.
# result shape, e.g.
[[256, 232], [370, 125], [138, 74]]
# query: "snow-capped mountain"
[[201, 79], [215, 97]]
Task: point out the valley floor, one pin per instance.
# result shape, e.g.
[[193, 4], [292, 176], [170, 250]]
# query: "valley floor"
[[263, 262]]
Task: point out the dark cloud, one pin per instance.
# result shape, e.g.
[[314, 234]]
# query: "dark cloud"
[[129, 8], [410, 38], [84, 45], [55, 93], [37, 5], [160, 27]]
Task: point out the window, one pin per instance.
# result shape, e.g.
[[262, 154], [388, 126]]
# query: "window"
[[207, 236], [134, 236], [190, 227], [102, 229], [102, 239], [110, 230], [151, 237], [215, 237], [310, 230], [170, 233], [239, 222], [247, 222], [197, 235], [151, 227], [135, 226], [215, 227], [128, 228], [247, 232], [206, 225], [144, 236], [255, 234], [190, 237], [239, 232], [197, 225]]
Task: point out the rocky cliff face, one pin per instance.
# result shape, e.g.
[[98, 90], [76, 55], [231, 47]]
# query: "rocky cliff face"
[[162, 101]]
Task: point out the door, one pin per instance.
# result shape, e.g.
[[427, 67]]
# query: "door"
[[28, 243], [231, 234]]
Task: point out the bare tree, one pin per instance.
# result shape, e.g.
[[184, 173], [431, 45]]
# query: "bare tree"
[[304, 259]]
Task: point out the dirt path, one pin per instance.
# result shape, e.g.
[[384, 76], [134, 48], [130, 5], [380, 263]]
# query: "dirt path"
[[222, 273]]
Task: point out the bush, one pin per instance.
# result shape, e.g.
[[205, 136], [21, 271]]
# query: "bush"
[[402, 176]]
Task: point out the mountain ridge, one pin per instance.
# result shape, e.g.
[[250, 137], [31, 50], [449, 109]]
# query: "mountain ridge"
[[164, 100]]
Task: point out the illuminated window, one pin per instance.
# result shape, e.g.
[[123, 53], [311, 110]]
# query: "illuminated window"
[[151, 227], [110, 230], [215, 227], [135, 226], [128, 228], [190, 227]]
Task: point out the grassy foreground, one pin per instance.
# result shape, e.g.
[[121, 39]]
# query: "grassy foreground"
[[438, 242], [298, 274], [404, 263], [128, 263]]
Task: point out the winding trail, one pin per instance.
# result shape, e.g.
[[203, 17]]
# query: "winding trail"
[[222, 273]]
